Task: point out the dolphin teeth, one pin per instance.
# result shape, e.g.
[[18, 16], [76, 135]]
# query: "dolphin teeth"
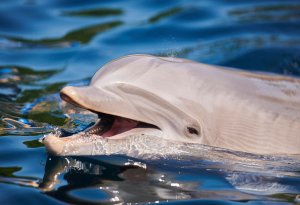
[[93, 130], [100, 126]]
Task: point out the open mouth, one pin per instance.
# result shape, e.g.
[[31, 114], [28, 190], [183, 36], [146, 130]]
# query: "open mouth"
[[107, 125], [110, 125]]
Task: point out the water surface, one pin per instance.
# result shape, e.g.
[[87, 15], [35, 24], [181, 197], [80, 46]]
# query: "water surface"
[[45, 45]]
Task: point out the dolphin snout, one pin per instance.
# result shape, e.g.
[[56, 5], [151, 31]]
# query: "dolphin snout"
[[53, 144], [69, 94]]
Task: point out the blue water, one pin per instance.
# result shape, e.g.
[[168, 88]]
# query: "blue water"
[[45, 45]]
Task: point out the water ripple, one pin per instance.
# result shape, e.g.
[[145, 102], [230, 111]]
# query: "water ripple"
[[45, 45]]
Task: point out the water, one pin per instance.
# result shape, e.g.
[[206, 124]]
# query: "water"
[[45, 45]]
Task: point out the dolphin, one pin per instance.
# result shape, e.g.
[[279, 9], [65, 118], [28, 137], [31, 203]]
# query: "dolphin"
[[183, 101]]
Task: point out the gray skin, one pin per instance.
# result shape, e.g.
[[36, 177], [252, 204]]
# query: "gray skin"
[[190, 102]]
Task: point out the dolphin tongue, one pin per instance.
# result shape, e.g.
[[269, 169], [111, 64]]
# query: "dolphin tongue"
[[120, 125]]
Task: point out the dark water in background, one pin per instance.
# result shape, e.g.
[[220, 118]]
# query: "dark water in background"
[[45, 45]]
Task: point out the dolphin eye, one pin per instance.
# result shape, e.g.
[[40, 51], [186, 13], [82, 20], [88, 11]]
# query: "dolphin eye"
[[192, 131]]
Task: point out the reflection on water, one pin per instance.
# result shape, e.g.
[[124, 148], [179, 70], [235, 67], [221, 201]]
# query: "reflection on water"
[[165, 14], [95, 12], [273, 12], [83, 35], [45, 45], [81, 180]]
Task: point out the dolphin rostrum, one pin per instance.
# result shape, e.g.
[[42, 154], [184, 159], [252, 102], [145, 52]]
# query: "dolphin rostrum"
[[185, 101]]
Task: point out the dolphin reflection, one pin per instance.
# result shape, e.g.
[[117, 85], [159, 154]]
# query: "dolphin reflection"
[[118, 179]]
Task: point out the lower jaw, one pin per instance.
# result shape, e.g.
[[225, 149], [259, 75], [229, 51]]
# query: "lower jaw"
[[58, 144], [82, 144]]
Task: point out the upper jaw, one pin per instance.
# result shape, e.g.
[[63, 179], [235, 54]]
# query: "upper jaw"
[[100, 100]]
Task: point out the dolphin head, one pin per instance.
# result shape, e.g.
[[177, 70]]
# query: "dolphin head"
[[133, 95]]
